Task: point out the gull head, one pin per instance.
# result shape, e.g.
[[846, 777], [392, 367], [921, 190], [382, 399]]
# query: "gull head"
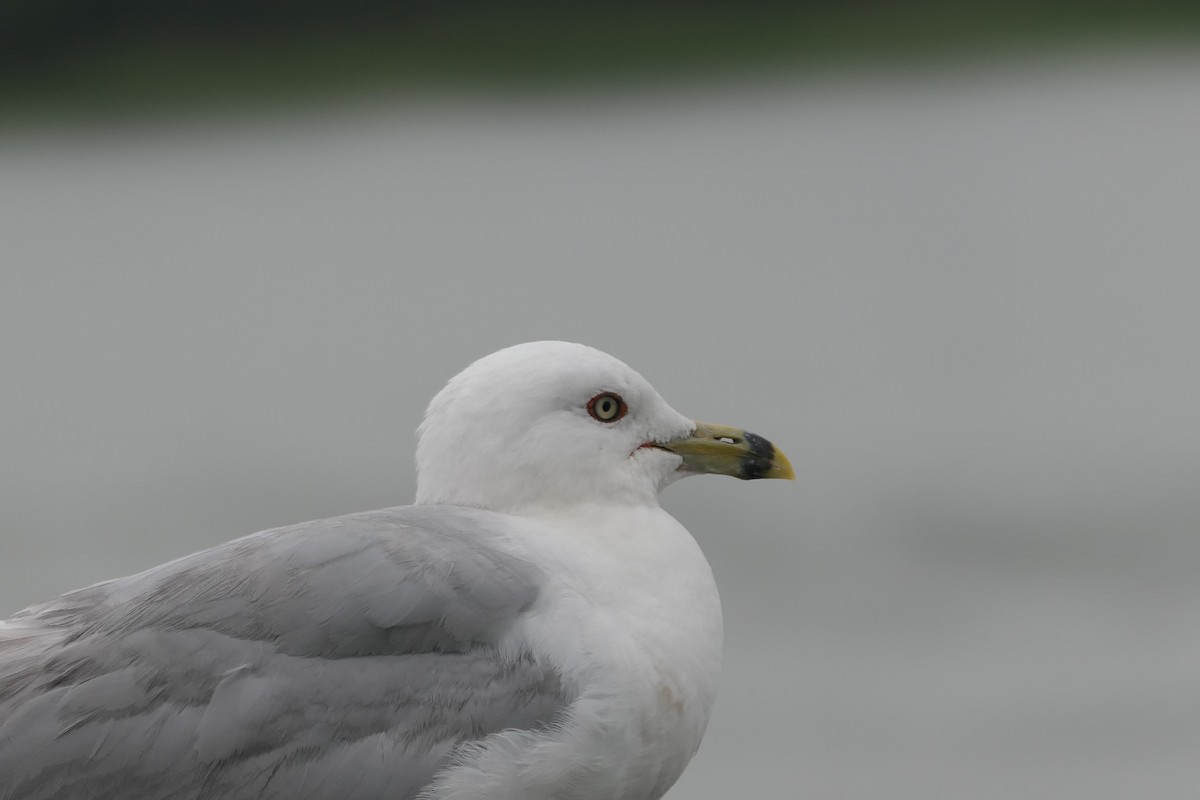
[[545, 426]]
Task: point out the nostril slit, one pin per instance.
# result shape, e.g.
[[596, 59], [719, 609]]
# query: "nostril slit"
[[727, 439]]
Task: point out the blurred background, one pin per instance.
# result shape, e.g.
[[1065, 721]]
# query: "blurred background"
[[944, 253]]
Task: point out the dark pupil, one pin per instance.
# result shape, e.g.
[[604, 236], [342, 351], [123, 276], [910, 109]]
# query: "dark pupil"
[[606, 406]]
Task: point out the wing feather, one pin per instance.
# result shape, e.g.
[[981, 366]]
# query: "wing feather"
[[336, 659]]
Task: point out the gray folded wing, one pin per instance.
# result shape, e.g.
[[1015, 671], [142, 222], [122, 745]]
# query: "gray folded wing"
[[341, 659]]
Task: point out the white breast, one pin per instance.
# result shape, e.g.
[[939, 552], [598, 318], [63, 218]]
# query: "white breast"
[[644, 657]]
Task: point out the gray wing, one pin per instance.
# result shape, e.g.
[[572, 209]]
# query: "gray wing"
[[344, 659]]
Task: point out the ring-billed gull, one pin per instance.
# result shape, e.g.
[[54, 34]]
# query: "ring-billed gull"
[[534, 627]]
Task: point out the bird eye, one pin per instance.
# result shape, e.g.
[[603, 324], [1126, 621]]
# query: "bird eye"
[[607, 407]]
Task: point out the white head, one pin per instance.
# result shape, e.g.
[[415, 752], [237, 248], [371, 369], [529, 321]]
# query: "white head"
[[543, 425]]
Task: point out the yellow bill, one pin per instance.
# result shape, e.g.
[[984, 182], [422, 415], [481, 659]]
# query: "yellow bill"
[[722, 450]]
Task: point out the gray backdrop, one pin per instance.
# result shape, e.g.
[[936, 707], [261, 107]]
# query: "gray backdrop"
[[965, 303]]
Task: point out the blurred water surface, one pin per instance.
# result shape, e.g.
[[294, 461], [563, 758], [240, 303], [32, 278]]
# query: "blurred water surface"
[[965, 304]]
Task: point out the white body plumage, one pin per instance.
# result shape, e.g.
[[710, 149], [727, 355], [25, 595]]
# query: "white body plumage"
[[643, 654]]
